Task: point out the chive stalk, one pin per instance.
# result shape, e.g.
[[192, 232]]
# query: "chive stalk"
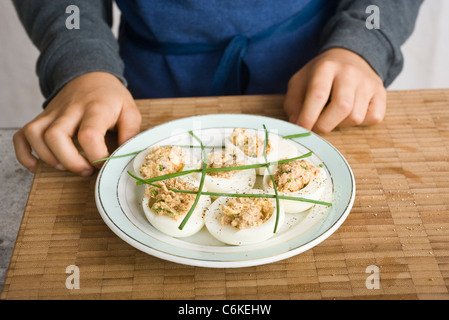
[[243, 167], [235, 195], [299, 135], [116, 157], [292, 136], [200, 188], [271, 177]]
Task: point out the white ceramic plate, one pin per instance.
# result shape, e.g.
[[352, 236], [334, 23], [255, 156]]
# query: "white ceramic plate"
[[119, 199]]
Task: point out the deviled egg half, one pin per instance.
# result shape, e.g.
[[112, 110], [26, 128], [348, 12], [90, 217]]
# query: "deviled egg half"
[[298, 178], [234, 181], [165, 209], [250, 143], [243, 220], [161, 160]]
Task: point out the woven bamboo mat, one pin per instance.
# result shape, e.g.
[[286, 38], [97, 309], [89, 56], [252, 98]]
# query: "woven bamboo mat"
[[399, 222]]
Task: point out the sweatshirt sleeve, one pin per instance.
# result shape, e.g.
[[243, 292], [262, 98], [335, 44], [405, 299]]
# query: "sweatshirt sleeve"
[[66, 53], [380, 47]]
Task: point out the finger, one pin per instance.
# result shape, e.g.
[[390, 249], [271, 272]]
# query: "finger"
[[92, 132], [358, 114], [316, 97], [24, 152], [295, 96], [340, 105], [34, 135], [376, 109], [128, 123], [59, 138]]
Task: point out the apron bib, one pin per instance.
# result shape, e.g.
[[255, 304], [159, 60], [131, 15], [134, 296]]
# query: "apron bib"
[[173, 63]]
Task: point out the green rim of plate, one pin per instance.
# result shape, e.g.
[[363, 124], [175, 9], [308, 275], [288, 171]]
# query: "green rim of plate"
[[108, 204]]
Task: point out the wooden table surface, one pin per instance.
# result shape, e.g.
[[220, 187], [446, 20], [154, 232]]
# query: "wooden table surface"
[[399, 222]]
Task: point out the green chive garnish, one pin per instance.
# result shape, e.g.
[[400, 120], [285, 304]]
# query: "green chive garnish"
[[244, 167], [292, 136], [204, 170], [200, 188], [299, 135], [271, 177], [116, 157], [234, 195]]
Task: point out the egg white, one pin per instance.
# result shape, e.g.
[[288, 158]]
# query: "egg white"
[[232, 235], [240, 181], [191, 161], [280, 149], [170, 226], [313, 190]]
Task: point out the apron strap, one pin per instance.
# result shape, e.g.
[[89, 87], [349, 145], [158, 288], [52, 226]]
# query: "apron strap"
[[232, 75]]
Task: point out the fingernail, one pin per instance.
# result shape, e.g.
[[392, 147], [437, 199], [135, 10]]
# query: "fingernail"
[[86, 173], [60, 167]]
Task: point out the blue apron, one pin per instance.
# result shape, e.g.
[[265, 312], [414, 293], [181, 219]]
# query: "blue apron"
[[198, 48]]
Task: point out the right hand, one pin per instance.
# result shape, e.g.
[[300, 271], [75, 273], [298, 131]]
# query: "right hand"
[[88, 106]]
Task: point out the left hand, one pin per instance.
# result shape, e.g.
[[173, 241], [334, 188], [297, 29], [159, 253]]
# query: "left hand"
[[336, 88]]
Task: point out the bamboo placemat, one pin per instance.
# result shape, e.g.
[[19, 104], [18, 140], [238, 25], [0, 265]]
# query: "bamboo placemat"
[[399, 222]]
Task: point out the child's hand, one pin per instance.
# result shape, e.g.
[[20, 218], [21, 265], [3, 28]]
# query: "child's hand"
[[337, 88], [88, 106]]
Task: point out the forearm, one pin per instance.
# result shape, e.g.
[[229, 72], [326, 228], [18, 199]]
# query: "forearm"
[[381, 48], [67, 53]]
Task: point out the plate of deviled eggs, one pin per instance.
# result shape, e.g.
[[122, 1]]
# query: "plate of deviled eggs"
[[225, 190]]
